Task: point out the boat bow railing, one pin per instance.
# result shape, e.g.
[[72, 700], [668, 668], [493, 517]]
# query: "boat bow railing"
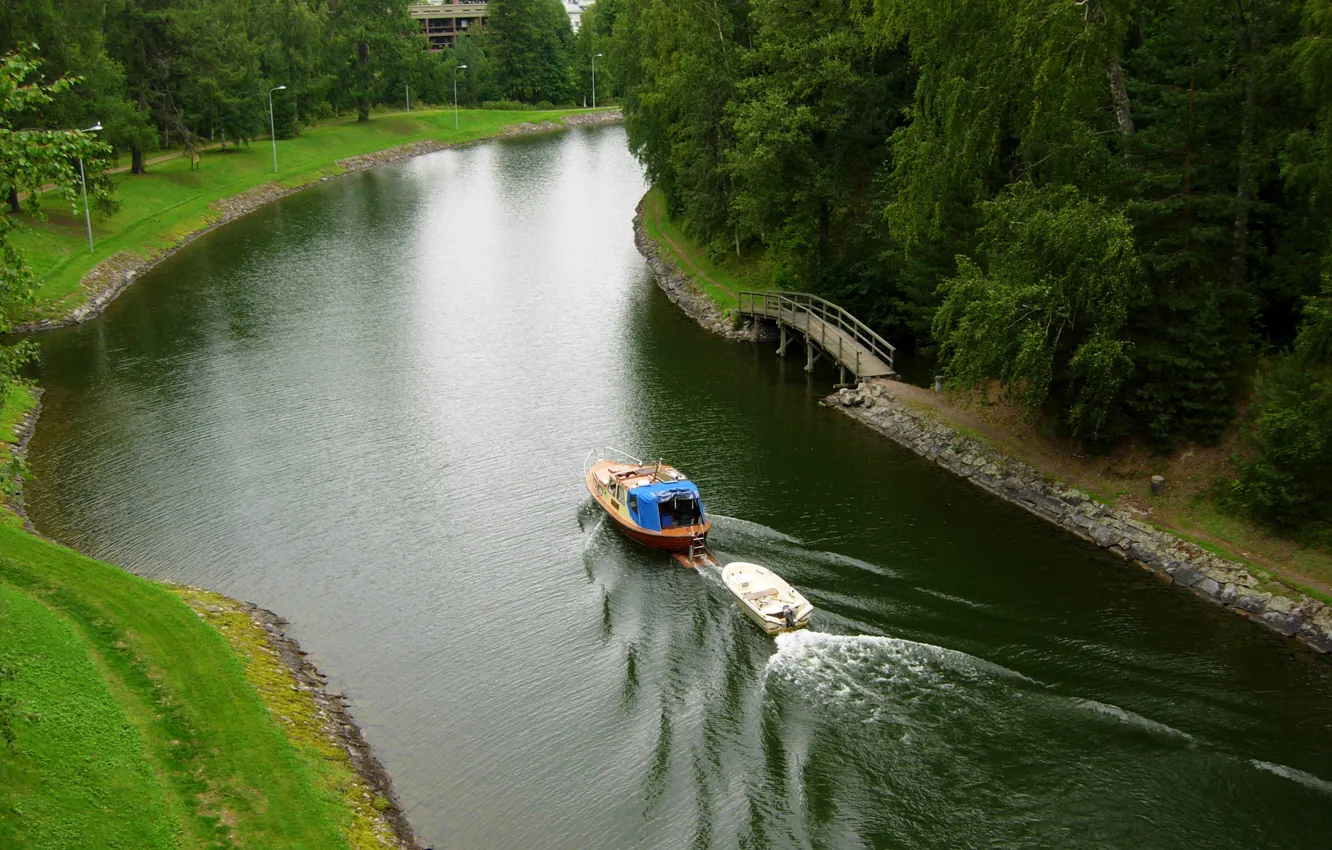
[[597, 453]]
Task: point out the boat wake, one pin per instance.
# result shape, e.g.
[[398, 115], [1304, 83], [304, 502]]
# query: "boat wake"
[[742, 527], [881, 672], [1132, 719], [1308, 780], [809, 650]]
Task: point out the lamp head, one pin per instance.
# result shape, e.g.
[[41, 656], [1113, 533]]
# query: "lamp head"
[[94, 128], [461, 68], [599, 54], [279, 88]]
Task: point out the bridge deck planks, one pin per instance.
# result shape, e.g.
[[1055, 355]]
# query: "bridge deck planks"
[[826, 336]]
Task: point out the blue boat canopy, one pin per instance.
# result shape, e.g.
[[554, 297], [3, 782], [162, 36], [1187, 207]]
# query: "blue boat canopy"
[[666, 491], [670, 504]]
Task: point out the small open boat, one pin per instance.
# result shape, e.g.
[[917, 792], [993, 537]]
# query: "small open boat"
[[653, 503], [767, 597]]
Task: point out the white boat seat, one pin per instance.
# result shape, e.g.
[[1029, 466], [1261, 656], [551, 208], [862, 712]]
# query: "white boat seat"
[[760, 593]]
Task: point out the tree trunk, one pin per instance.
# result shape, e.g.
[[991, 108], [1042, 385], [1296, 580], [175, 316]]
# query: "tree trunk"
[[1094, 13], [14, 205], [1244, 187], [825, 231], [1119, 95], [136, 159]]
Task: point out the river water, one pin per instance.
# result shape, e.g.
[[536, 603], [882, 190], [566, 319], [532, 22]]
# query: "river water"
[[366, 407]]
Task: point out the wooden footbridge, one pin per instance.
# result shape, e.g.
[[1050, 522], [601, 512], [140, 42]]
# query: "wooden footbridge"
[[834, 332]]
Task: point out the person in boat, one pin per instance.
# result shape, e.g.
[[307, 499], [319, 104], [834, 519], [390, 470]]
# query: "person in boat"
[[788, 615]]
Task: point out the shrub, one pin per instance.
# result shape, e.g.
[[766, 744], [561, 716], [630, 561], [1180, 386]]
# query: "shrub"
[[1288, 481]]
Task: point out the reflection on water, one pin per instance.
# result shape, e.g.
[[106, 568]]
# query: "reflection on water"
[[366, 406]]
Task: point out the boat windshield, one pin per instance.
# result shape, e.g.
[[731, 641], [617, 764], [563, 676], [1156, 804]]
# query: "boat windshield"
[[681, 512]]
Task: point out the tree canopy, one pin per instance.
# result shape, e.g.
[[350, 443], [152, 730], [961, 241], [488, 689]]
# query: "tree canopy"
[[34, 158], [1114, 209], [533, 49]]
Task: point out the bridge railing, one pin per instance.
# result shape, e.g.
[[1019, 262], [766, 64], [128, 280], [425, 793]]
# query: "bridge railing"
[[775, 304]]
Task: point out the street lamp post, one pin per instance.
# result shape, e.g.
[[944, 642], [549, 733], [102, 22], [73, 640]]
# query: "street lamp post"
[[594, 80], [455, 94], [409, 98], [272, 132], [83, 184]]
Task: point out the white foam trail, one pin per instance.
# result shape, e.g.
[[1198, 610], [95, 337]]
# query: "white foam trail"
[[712, 574], [1132, 719], [753, 529], [819, 649], [1308, 780], [938, 594], [847, 560], [591, 536]]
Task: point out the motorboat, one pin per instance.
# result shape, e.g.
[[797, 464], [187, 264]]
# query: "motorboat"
[[767, 598], [653, 503]]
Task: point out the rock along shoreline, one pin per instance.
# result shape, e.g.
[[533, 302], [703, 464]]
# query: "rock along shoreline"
[[331, 712], [1227, 583], [112, 276]]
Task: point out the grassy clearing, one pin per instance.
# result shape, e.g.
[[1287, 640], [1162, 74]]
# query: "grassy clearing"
[[719, 279], [226, 774], [171, 201], [78, 776]]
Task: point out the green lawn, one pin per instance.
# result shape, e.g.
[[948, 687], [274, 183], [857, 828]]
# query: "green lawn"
[[149, 733], [171, 200], [78, 776]]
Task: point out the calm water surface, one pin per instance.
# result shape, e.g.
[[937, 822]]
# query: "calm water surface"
[[366, 407]]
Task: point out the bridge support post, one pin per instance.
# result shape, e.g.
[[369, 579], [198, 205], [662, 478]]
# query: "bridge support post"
[[809, 354], [781, 346], [841, 373]]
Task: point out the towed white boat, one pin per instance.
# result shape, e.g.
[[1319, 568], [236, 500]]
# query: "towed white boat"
[[767, 597]]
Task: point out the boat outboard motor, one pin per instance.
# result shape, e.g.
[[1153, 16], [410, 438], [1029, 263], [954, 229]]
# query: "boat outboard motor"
[[788, 614]]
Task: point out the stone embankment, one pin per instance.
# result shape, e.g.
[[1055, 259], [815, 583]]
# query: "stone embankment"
[[376, 804], [1223, 582], [113, 275], [23, 431], [679, 287]]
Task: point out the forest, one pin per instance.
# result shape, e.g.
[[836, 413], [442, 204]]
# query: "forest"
[[1119, 211], [160, 73]]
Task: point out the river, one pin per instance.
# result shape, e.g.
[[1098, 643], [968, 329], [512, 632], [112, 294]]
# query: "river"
[[366, 407]]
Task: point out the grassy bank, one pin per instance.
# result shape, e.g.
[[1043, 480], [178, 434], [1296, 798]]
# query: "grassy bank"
[[153, 717], [719, 279], [172, 200], [1187, 507], [139, 724], [18, 400]]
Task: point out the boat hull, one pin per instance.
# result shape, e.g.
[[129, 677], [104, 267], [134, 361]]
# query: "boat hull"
[[774, 628], [674, 540], [757, 588]]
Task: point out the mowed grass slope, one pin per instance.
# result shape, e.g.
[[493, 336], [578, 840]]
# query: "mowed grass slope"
[[159, 208], [145, 731], [80, 777]]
